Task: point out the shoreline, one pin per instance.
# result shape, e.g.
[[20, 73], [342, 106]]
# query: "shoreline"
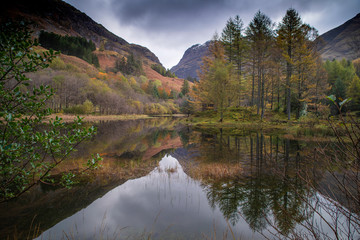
[[95, 118]]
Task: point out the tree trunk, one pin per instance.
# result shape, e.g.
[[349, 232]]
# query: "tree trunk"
[[253, 84], [288, 90], [258, 102]]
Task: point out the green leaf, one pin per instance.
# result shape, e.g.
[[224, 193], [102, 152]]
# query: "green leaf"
[[331, 98], [345, 101]]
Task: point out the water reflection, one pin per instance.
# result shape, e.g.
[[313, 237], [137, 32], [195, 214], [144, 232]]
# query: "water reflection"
[[163, 180], [269, 185], [164, 204]]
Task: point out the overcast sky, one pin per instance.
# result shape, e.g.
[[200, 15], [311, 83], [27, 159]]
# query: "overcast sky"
[[169, 27]]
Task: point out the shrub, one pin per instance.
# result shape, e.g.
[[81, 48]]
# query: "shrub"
[[86, 108]]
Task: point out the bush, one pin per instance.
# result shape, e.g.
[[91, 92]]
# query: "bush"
[[29, 153], [58, 64], [156, 109], [86, 108]]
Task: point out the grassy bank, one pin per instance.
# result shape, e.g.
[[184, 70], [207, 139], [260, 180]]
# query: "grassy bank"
[[240, 120], [96, 118]]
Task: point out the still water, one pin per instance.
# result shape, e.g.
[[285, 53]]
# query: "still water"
[[162, 180], [166, 203]]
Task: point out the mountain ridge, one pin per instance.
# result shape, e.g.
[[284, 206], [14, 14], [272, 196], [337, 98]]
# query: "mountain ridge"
[[334, 44], [340, 41], [64, 19], [191, 61]]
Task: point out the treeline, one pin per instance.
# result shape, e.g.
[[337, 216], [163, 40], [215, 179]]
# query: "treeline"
[[270, 68], [163, 71], [69, 45]]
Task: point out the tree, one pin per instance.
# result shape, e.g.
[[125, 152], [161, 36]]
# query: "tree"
[[130, 65], [29, 152], [228, 39], [305, 67], [289, 34], [187, 106], [235, 47], [185, 87], [354, 93], [216, 78], [260, 34]]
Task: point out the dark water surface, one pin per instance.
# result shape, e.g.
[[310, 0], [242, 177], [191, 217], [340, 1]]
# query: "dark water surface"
[[155, 184]]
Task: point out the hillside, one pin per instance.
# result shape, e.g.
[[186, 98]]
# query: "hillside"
[[190, 62], [62, 18], [342, 41]]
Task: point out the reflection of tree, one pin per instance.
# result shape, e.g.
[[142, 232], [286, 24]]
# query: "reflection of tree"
[[227, 194], [255, 206], [269, 187], [184, 135]]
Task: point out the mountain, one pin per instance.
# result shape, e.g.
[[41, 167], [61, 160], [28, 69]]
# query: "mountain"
[[342, 41], [191, 61], [62, 18], [338, 43]]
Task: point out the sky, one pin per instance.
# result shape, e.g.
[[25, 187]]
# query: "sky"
[[169, 27]]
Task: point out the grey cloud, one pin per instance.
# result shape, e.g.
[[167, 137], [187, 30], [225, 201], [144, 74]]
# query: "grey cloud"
[[168, 27], [166, 15]]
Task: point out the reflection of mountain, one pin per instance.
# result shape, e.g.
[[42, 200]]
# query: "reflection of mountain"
[[268, 187], [166, 194], [123, 145]]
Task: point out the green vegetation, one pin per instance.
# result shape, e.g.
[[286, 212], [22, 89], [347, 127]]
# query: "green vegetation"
[[163, 71], [29, 151], [345, 83], [191, 79], [130, 65], [284, 72], [79, 90], [75, 46]]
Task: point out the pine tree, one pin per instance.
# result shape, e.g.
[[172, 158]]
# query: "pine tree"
[[289, 34], [234, 44], [185, 87], [260, 35]]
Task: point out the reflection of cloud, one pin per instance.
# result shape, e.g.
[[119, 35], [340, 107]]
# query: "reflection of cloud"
[[155, 202]]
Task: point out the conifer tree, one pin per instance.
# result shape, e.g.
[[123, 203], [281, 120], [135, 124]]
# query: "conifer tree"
[[260, 35], [234, 44], [289, 33]]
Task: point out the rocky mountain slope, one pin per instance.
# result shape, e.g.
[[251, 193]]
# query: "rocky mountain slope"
[[342, 41], [62, 18], [191, 61]]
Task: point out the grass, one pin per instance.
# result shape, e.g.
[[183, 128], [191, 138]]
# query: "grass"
[[215, 171], [96, 118], [239, 120]]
